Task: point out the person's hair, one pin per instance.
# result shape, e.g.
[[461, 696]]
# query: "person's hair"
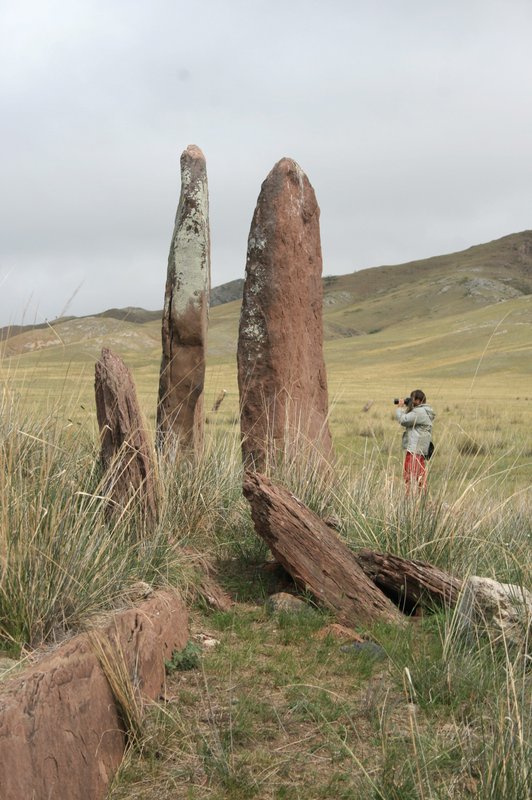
[[417, 394]]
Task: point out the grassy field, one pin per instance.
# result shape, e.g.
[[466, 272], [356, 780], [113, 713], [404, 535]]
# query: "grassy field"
[[277, 710], [474, 368]]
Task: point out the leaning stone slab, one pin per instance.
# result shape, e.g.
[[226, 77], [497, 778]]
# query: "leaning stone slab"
[[281, 371], [61, 735], [126, 452], [315, 556], [180, 417], [501, 610]]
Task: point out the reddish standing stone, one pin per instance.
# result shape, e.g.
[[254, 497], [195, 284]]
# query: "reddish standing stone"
[[281, 371], [180, 417], [126, 453]]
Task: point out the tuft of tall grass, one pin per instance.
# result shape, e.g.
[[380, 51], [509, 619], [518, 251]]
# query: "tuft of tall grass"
[[127, 696], [202, 499], [466, 524], [484, 693], [60, 558]]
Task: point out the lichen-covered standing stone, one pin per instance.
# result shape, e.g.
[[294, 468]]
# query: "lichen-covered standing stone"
[[281, 371], [180, 418]]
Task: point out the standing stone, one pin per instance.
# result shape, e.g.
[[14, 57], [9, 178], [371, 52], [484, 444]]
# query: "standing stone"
[[126, 453], [281, 371], [180, 418]]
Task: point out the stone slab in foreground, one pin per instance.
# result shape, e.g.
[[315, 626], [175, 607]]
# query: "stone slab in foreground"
[[60, 732], [410, 583], [314, 555], [503, 611]]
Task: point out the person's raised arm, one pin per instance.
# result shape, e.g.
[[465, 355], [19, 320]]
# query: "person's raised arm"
[[405, 418]]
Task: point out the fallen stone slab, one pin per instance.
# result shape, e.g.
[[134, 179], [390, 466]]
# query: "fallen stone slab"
[[411, 584], [314, 555], [503, 611], [61, 733]]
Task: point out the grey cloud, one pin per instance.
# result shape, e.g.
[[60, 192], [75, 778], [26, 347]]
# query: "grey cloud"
[[411, 119]]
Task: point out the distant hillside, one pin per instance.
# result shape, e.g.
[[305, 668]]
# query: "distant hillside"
[[14, 330], [373, 299], [227, 292], [131, 314], [219, 295], [356, 304]]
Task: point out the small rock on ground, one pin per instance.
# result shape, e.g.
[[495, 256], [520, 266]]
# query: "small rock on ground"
[[372, 649], [339, 632], [282, 601]]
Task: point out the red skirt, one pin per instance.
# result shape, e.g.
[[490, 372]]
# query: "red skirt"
[[415, 470]]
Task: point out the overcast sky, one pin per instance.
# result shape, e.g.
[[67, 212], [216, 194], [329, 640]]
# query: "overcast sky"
[[411, 118]]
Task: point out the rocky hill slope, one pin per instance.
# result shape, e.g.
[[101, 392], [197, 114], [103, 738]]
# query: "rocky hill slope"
[[359, 303]]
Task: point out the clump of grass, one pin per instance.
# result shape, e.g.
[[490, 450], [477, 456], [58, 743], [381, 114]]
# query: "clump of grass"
[[470, 447], [127, 696], [61, 558], [183, 660], [480, 697], [202, 501]]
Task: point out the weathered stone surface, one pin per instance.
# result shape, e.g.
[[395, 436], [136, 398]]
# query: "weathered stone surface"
[[207, 586], [281, 371], [288, 603], [126, 452], [60, 733], [411, 584], [213, 595], [180, 418], [502, 610], [314, 555]]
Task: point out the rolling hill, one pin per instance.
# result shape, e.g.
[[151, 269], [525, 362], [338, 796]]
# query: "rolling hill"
[[418, 294]]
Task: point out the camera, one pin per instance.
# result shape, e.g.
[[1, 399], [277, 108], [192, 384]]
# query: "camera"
[[406, 401]]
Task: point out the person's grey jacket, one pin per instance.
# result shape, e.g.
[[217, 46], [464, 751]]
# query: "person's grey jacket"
[[418, 428]]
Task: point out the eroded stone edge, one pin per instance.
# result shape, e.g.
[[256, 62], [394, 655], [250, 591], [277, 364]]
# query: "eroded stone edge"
[[60, 730]]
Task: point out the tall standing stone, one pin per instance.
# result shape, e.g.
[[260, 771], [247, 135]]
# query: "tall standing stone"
[[180, 417], [281, 371]]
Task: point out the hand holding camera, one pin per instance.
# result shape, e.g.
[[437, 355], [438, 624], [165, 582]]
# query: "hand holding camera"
[[406, 402]]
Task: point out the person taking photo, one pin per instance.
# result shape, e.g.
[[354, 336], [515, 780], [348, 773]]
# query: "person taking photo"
[[416, 417]]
